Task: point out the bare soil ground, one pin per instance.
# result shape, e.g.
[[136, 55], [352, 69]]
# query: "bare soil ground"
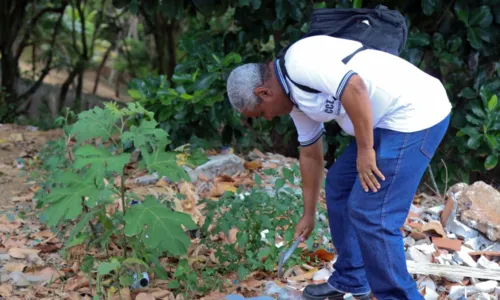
[[16, 143]]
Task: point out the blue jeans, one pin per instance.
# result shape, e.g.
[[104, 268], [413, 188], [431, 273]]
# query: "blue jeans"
[[365, 226]]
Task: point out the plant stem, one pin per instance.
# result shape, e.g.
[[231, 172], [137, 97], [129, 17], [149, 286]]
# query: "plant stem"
[[122, 192]]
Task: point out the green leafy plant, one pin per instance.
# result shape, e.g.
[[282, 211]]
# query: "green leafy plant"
[[86, 192], [483, 128], [263, 217]]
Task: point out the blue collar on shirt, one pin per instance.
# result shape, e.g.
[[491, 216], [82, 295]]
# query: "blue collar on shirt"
[[282, 80]]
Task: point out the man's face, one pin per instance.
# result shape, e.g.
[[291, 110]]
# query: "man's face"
[[274, 101]]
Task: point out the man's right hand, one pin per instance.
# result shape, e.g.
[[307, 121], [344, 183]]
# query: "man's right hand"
[[304, 227]]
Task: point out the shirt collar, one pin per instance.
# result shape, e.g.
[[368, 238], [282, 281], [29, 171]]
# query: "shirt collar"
[[282, 81]]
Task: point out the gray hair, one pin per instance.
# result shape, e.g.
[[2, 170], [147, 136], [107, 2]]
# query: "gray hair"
[[242, 82]]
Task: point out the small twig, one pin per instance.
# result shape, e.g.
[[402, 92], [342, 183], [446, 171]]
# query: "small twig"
[[446, 182], [122, 192], [434, 181]]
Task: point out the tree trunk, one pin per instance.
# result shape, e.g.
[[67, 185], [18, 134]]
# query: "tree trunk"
[[101, 66], [10, 73], [171, 47], [65, 86]]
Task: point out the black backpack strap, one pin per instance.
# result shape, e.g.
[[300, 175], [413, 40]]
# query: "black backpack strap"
[[349, 57], [300, 86], [306, 88]]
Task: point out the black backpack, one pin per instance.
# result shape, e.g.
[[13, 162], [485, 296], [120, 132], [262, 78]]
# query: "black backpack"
[[387, 31]]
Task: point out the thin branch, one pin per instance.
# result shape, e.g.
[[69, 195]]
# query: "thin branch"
[[48, 66], [33, 22], [96, 27], [82, 23]]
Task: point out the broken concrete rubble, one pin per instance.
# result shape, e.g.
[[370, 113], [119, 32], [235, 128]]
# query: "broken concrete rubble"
[[479, 208]]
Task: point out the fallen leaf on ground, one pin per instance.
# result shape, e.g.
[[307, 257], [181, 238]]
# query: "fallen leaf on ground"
[[144, 296], [14, 267], [46, 234], [6, 290], [253, 165], [22, 252], [124, 294], [75, 283], [160, 294]]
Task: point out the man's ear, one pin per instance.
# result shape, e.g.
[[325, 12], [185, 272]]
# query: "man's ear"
[[263, 92]]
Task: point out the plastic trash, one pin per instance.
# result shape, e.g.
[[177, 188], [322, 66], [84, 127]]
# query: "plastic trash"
[[142, 282], [283, 293]]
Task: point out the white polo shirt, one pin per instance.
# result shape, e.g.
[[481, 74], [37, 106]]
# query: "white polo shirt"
[[403, 97]]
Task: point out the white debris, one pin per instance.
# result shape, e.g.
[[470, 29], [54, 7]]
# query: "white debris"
[[463, 258], [484, 263], [322, 274], [418, 256]]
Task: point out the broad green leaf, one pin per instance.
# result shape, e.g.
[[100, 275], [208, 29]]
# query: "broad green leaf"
[[165, 164], [263, 252], [474, 142], [429, 6], [174, 284], [196, 158], [231, 58], [242, 272], [288, 174], [107, 267], [468, 93], [492, 104], [95, 123], [87, 264], [163, 226], [478, 111], [257, 179], [462, 12], [66, 202], [256, 4], [206, 81], [100, 161], [145, 134], [470, 131], [491, 162], [135, 94], [419, 39], [242, 239], [481, 16], [492, 142], [279, 183], [473, 120], [474, 38]]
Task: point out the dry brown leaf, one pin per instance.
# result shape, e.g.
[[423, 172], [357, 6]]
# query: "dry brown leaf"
[[48, 248], [124, 294], [6, 290], [202, 177], [15, 243], [24, 198], [433, 228], [187, 190], [47, 274], [269, 165], [22, 252], [76, 283], [305, 276], [161, 294], [14, 267], [46, 234], [179, 297], [252, 284], [144, 296], [253, 165]]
